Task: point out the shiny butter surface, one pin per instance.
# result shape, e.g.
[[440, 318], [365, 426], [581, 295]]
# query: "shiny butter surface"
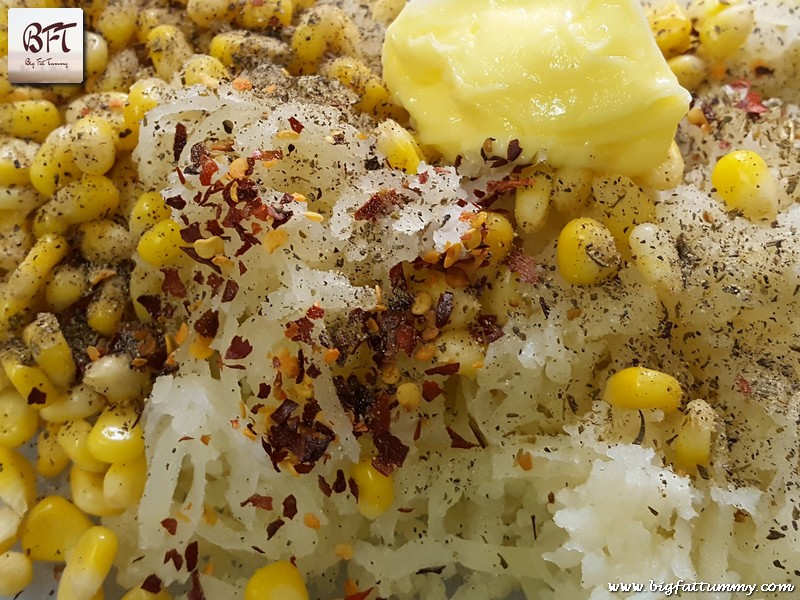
[[581, 81]]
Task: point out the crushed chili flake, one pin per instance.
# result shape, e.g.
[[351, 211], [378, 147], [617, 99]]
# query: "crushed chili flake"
[[231, 289], [456, 441], [448, 369], [436, 570], [444, 308], [282, 413], [191, 553], [340, 483], [514, 150], [176, 202], [185, 438], [192, 253], [170, 524], [406, 338], [289, 506], [359, 595], [391, 452], [191, 233], [523, 265], [208, 167], [300, 330], [208, 324], [430, 390], [380, 204], [152, 584], [315, 312], [485, 329], [313, 371], [214, 282], [273, 528], [172, 283], [296, 125], [196, 591], [240, 348], [176, 558], [324, 486], [744, 385], [267, 155], [507, 185], [36, 397], [180, 141], [259, 501], [264, 390], [351, 483]]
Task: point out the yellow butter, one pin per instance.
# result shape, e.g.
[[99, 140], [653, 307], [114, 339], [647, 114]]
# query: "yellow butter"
[[580, 83]]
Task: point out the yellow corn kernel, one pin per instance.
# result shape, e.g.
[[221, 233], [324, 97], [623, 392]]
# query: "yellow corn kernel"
[[95, 53], [458, 346], [144, 95], [499, 237], [51, 460], [119, 381], [53, 166], [264, 14], [373, 95], [693, 443], [117, 435], [204, 70], [232, 48], [105, 241], [31, 274], [144, 281], [641, 388], [323, 28], [67, 285], [279, 581], [409, 395], [399, 146], [86, 488], [689, 69], [16, 573], [531, 203], [17, 494], [94, 151], [117, 23], [52, 528], [160, 245], [80, 403], [700, 10], [672, 29], [123, 484], [50, 350], [168, 49], [18, 420], [208, 12], [746, 185], [105, 312], [29, 119], [668, 174], [620, 205], [91, 197], [385, 11], [90, 561], [724, 33], [572, 188], [148, 210], [15, 239], [15, 161], [655, 257], [73, 437], [586, 252], [65, 591], [31, 382], [375, 490]]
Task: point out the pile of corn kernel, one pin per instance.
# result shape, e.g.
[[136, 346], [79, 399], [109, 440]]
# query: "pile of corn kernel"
[[73, 213]]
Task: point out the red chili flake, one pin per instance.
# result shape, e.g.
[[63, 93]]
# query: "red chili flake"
[[191, 553], [172, 283], [267, 154], [435, 570], [191, 233], [36, 397], [444, 308], [406, 509], [751, 101], [340, 483], [273, 528], [418, 429], [198, 153], [315, 312], [185, 438], [208, 167], [192, 253], [406, 338], [264, 390], [485, 329], [523, 265], [300, 330], [359, 595], [181, 176], [513, 151], [214, 282], [380, 204], [324, 486], [214, 228], [456, 441], [152, 584], [231, 289], [180, 141], [289, 506], [176, 558], [196, 591], [423, 177], [397, 277], [448, 369], [171, 525], [259, 501], [296, 125], [240, 348], [744, 385], [351, 483], [430, 390], [208, 324], [313, 371], [506, 185], [176, 202], [282, 413], [391, 452]]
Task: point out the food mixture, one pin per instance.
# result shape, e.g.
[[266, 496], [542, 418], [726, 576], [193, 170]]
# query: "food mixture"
[[365, 300]]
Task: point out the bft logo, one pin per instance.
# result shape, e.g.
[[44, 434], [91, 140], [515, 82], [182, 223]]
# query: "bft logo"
[[45, 45]]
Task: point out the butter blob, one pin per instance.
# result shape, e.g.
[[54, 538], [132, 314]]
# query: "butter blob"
[[580, 81]]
